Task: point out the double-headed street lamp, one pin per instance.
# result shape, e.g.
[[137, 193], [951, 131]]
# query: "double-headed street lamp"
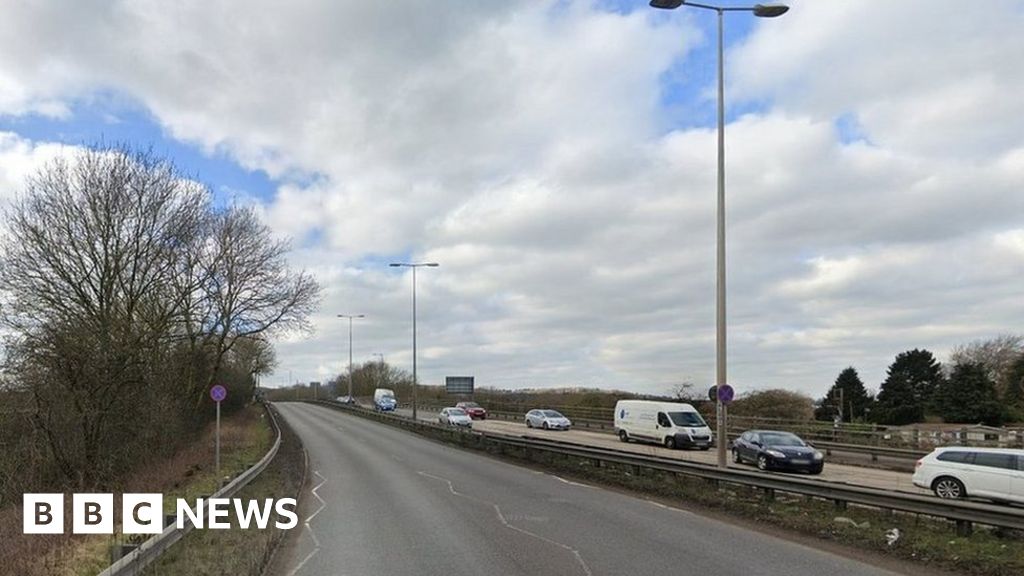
[[350, 318], [414, 266], [763, 11]]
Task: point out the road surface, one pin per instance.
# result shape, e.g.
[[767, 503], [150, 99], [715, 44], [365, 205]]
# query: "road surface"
[[388, 502]]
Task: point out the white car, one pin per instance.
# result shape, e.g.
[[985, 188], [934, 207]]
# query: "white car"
[[455, 417], [547, 419], [962, 471]]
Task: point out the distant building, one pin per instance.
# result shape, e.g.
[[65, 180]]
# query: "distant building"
[[931, 434]]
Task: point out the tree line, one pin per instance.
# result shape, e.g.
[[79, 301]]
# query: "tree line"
[[982, 383], [126, 294]]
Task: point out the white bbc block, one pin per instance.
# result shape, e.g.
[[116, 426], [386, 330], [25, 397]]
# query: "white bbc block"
[[43, 514], [92, 514], [142, 513]]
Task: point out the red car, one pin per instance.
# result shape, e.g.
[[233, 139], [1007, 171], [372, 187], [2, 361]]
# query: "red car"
[[475, 411]]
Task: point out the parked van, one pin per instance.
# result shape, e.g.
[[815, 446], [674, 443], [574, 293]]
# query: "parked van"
[[962, 471], [384, 400], [674, 425]]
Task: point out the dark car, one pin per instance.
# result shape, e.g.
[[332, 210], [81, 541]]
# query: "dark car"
[[475, 411], [773, 450]]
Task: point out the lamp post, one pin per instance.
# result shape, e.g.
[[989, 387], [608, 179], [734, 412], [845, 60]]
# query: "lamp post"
[[414, 266], [350, 318], [762, 11]]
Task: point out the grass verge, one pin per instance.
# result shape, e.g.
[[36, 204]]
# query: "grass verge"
[[239, 552], [245, 438]]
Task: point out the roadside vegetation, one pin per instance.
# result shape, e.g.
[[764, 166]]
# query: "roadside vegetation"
[[240, 552], [125, 294]]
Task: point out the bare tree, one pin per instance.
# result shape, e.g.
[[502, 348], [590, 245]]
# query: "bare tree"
[[997, 355], [125, 295], [243, 289], [90, 248], [685, 392]]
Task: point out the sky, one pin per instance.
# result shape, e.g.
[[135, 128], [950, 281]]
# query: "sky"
[[557, 158]]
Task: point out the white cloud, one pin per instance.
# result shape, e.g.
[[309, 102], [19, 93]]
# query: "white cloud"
[[524, 146], [20, 158]]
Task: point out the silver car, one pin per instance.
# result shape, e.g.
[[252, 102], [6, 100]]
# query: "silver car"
[[547, 419], [455, 417]]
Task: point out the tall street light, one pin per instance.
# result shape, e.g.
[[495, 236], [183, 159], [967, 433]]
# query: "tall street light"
[[350, 318], [763, 11], [414, 266]]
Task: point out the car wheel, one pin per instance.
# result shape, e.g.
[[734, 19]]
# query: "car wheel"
[[528, 423], [623, 437], [949, 488], [762, 462], [670, 443], [544, 425], [736, 457]]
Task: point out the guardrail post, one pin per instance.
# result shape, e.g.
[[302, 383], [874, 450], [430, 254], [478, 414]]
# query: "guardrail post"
[[964, 528], [769, 494], [840, 504]]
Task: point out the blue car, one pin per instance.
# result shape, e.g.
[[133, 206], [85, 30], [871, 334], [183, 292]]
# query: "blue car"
[[774, 450]]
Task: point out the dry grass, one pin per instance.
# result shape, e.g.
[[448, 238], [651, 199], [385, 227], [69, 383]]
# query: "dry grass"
[[239, 552], [245, 437]]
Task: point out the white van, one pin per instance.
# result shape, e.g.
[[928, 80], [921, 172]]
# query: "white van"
[[962, 471], [384, 400], [674, 425]]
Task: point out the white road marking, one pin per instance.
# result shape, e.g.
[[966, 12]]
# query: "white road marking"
[[570, 482], [312, 533], [506, 524]]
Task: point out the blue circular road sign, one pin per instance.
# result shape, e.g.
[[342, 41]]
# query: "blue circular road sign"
[[218, 393], [725, 394]]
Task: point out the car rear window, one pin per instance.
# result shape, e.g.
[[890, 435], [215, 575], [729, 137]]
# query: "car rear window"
[[958, 456]]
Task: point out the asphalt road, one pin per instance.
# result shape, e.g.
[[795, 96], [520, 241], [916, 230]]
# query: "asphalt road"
[[388, 502]]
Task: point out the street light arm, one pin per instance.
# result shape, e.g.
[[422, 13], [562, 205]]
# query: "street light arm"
[[759, 10]]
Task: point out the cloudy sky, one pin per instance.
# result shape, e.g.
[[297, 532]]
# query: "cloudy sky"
[[557, 158]]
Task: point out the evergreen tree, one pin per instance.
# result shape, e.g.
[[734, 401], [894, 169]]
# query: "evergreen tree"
[[969, 396], [1013, 395], [909, 388], [849, 388]]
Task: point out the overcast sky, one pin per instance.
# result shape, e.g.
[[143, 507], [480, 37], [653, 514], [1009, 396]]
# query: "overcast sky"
[[557, 158]]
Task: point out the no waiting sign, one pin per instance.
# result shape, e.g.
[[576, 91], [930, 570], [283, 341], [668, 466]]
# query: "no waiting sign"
[[458, 384]]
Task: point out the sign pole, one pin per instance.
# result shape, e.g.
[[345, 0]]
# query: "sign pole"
[[218, 393], [218, 442]]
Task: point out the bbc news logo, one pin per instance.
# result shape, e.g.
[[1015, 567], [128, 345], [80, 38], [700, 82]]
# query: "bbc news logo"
[[144, 513]]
